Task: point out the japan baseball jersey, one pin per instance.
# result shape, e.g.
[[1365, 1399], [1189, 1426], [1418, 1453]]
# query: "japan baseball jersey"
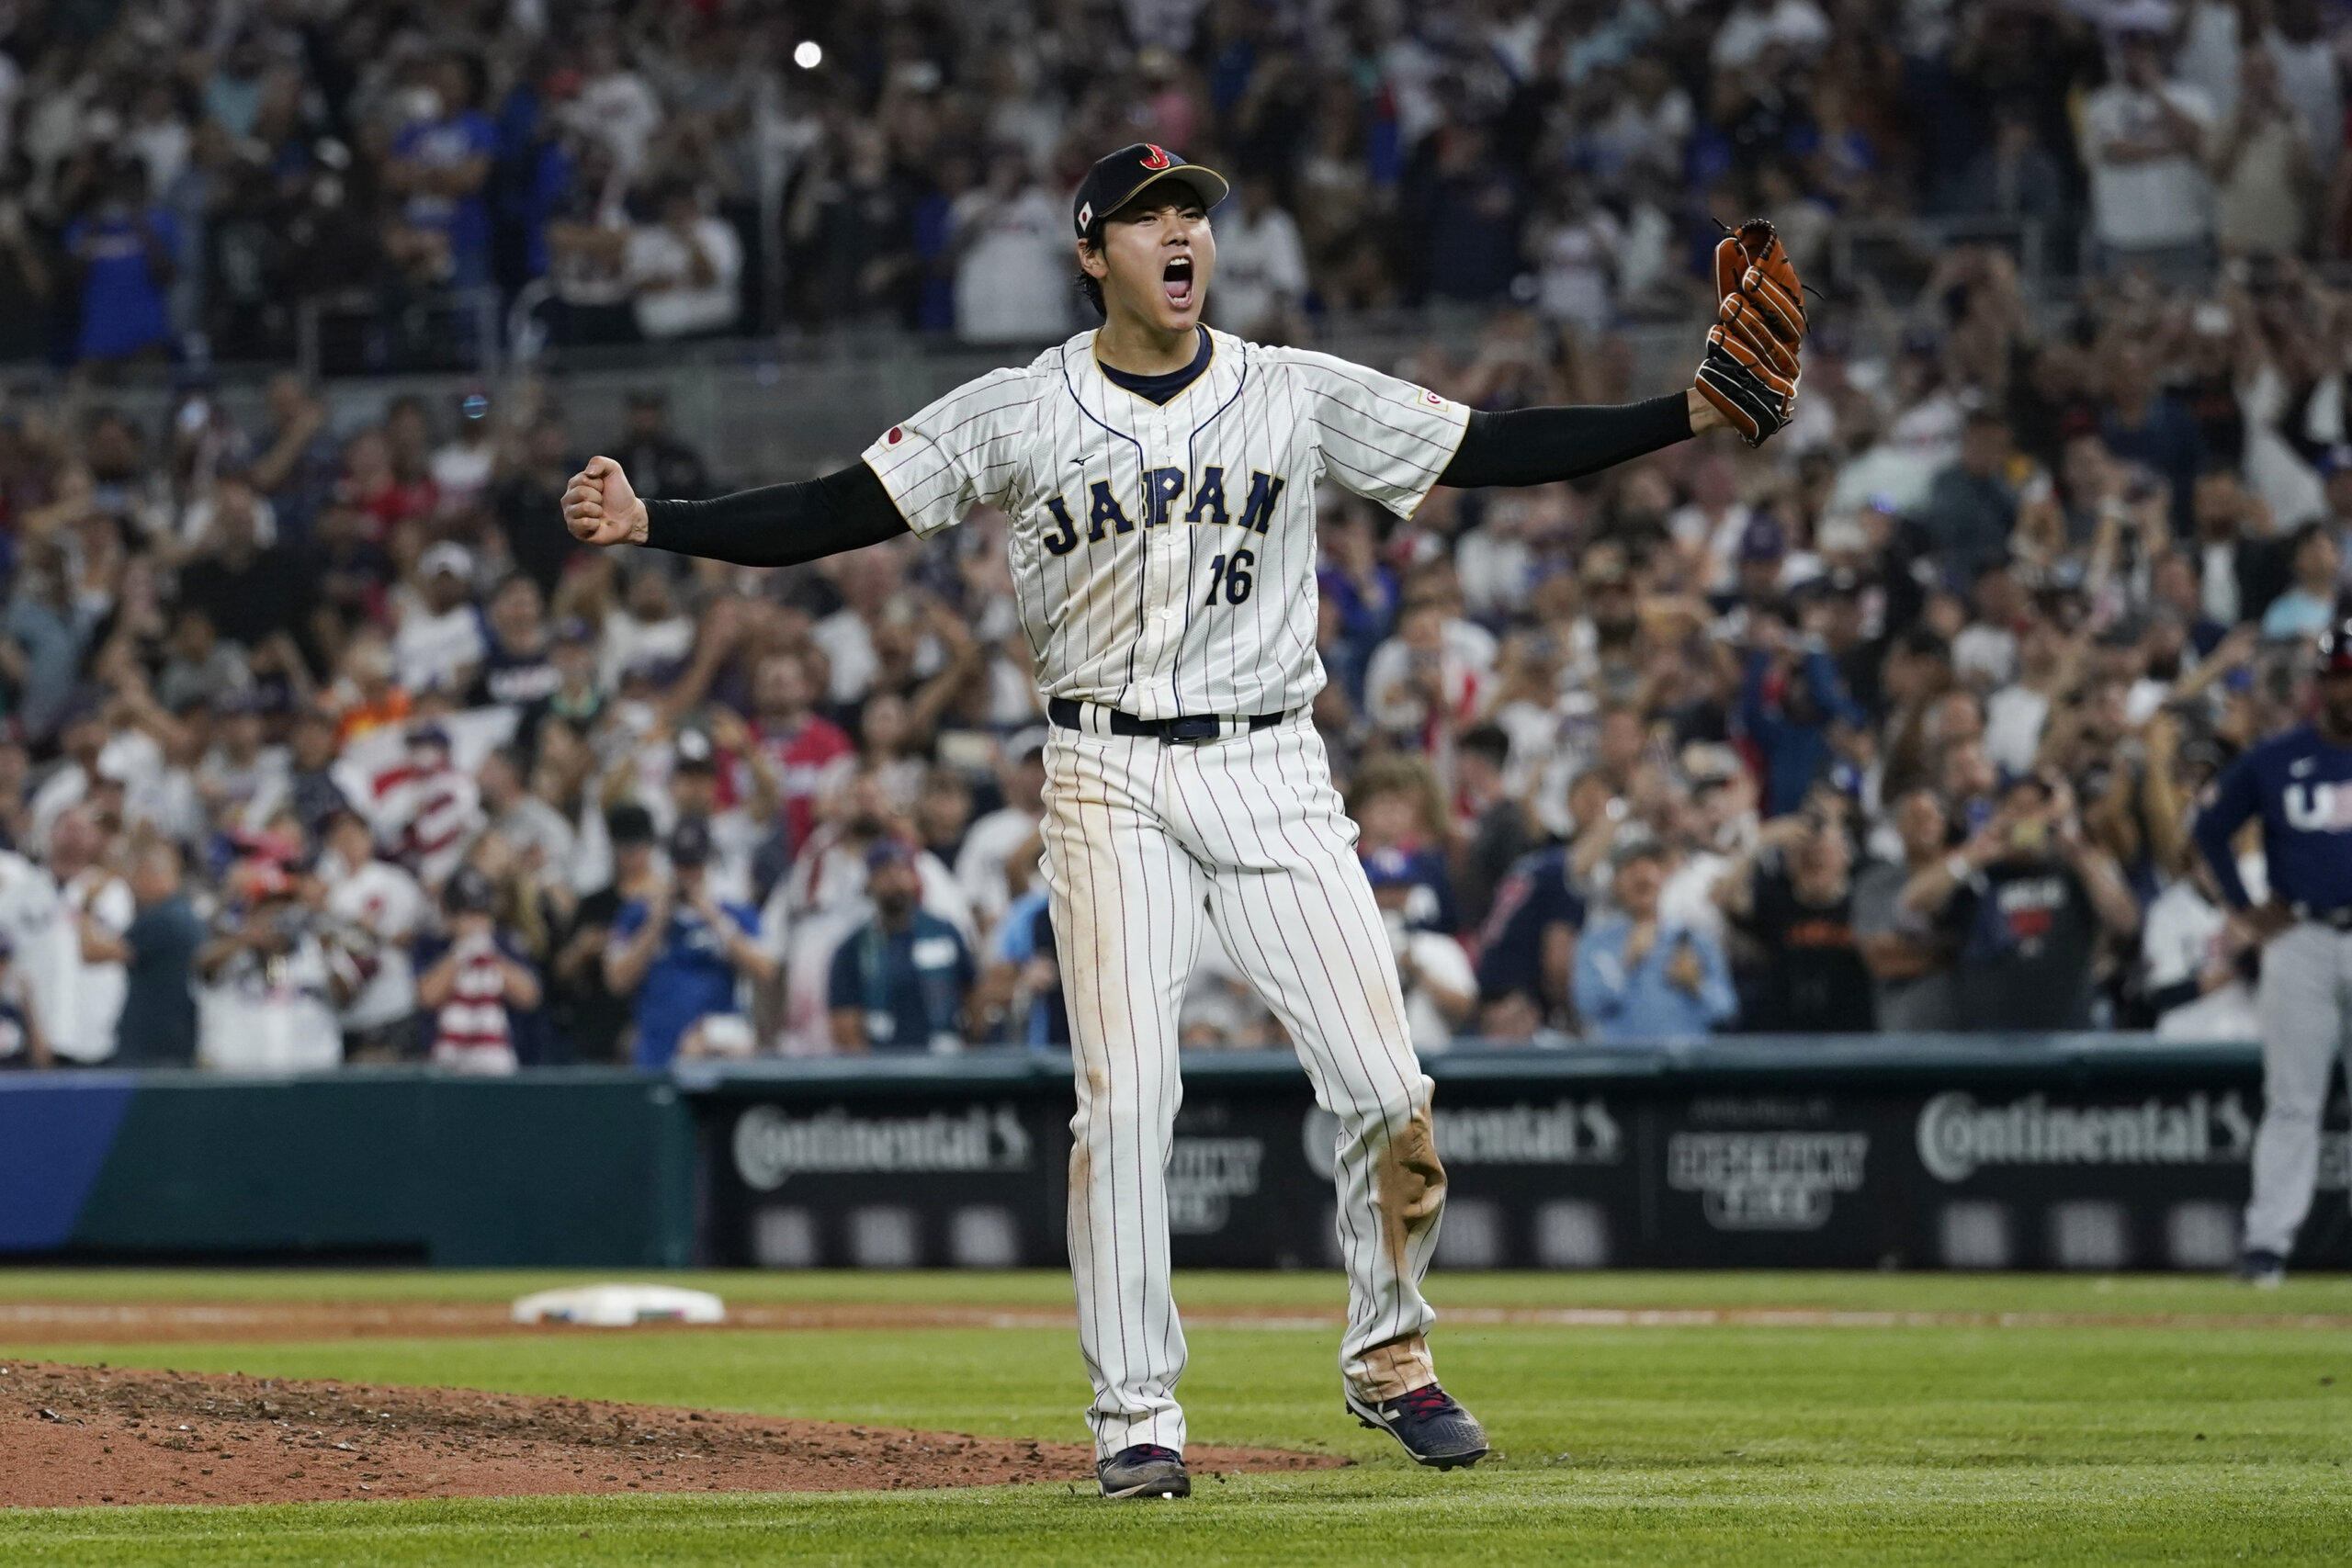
[[1163, 556], [1163, 559]]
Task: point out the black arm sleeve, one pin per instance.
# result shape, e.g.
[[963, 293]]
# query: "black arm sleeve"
[[779, 524], [1541, 446]]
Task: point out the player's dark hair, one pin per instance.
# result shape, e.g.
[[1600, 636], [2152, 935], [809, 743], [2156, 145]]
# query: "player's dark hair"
[[1090, 288]]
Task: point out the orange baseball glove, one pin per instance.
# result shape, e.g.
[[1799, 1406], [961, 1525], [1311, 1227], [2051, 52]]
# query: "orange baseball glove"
[[1751, 369]]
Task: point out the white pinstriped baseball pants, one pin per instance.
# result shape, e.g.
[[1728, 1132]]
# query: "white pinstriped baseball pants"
[[1146, 842]]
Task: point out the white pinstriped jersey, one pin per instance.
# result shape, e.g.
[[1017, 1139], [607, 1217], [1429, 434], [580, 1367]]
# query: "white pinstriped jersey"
[[1163, 557]]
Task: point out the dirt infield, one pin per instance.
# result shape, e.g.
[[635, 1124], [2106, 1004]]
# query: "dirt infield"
[[126, 1323], [75, 1435]]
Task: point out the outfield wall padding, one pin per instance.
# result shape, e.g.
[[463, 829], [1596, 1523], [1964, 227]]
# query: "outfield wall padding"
[[2075, 1152], [580, 1167]]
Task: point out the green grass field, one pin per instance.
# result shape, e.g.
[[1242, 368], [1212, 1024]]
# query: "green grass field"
[[2082, 1443]]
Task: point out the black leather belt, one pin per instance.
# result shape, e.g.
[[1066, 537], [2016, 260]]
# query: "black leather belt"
[[1195, 727], [2341, 920]]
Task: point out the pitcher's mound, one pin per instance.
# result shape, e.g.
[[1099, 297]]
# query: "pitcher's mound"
[[72, 1435]]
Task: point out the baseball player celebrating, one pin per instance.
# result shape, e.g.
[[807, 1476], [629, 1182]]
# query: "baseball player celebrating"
[[1159, 482], [2300, 784]]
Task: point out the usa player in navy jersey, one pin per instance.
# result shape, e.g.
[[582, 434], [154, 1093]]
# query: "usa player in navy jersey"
[[2300, 785]]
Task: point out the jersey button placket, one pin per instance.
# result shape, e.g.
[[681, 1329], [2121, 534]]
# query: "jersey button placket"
[[1166, 580]]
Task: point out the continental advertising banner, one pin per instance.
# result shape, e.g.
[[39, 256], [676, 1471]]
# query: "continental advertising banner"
[[2090, 1159]]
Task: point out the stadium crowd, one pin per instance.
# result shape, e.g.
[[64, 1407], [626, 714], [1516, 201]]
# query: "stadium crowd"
[[177, 176], [322, 744]]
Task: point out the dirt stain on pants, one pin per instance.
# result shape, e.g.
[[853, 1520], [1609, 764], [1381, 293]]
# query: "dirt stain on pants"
[[1410, 1182]]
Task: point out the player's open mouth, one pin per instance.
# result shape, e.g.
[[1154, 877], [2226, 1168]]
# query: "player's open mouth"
[[1177, 279]]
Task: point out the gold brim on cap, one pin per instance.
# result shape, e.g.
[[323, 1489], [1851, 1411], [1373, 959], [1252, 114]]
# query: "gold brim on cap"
[[1213, 186]]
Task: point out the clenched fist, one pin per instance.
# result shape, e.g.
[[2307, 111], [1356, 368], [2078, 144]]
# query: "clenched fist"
[[600, 508]]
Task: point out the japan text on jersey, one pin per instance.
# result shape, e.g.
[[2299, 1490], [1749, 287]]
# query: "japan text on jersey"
[[1163, 556]]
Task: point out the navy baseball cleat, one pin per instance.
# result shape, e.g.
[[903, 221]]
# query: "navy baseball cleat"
[[2264, 1271], [1429, 1423], [1145, 1470]]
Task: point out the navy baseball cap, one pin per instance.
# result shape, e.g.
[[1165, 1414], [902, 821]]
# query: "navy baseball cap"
[[889, 851], [1118, 179], [1388, 868], [690, 843], [2331, 654], [470, 893], [1762, 539]]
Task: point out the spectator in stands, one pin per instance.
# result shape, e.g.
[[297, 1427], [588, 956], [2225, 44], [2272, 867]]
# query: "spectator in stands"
[[2308, 607], [424, 807], [2032, 897], [1909, 954], [1527, 951], [647, 634], [378, 911], [586, 1010], [685, 271], [989, 865], [2142, 423], [157, 1024], [2262, 167], [1640, 978], [736, 833], [1441, 988], [1022, 981], [2015, 176], [899, 982], [439, 164], [675, 469], [1971, 505], [251, 588], [181, 608], [92, 898], [476, 981], [1397, 804], [1491, 826], [2144, 141], [270, 987], [22, 1043], [1791, 701], [1261, 267], [122, 251], [1013, 266], [440, 645], [809, 752], [299, 459], [681, 953], [1793, 902]]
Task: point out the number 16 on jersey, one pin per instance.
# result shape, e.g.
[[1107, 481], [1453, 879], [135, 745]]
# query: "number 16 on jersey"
[[1233, 572]]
